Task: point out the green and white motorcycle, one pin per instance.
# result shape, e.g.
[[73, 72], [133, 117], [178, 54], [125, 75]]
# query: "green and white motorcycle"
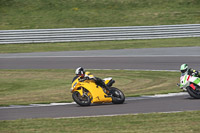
[[191, 84]]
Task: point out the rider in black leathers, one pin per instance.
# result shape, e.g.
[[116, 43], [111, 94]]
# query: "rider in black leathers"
[[80, 72]]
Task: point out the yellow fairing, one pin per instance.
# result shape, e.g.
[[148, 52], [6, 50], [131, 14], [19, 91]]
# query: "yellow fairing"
[[96, 92]]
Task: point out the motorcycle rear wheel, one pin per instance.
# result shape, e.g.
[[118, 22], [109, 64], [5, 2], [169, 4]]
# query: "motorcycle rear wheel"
[[117, 96], [81, 100], [193, 93]]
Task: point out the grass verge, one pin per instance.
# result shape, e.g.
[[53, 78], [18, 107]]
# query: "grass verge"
[[183, 122], [46, 86], [29, 14], [101, 45]]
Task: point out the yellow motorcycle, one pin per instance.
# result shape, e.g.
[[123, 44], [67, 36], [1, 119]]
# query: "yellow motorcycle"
[[86, 92]]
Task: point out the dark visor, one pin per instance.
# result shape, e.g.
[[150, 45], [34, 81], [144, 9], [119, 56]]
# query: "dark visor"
[[183, 71]]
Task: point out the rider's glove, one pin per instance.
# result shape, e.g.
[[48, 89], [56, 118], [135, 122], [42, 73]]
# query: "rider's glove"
[[81, 80], [196, 73]]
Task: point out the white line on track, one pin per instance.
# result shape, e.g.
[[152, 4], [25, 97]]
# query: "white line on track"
[[106, 56], [127, 99]]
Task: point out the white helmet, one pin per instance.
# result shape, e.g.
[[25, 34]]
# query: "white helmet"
[[184, 68], [80, 71]]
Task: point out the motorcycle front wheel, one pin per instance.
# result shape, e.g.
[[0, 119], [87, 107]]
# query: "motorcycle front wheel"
[[81, 100], [117, 96], [193, 93]]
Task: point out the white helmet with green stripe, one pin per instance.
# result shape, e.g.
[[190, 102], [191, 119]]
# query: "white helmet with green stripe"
[[184, 68]]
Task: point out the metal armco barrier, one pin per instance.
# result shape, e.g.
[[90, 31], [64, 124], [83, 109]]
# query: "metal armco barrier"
[[98, 33]]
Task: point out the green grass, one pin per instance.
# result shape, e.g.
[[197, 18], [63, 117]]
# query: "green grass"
[[101, 45], [184, 122], [37, 14], [46, 86]]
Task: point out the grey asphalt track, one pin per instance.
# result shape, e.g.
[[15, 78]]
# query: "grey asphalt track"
[[148, 59], [166, 104]]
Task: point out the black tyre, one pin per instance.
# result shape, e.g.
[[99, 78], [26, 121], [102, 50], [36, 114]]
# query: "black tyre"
[[117, 96], [193, 93], [81, 100]]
